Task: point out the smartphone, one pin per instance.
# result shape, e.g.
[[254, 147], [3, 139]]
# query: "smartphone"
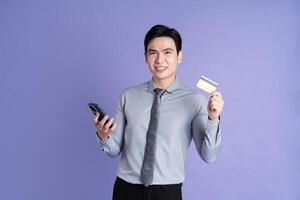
[[95, 108]]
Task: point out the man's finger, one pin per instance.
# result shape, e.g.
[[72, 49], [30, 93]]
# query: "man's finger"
[[216, 103], [103, 120], [114, 126], [215, 93], [216, 107], [109, 123], [217, 100], [96, 118]]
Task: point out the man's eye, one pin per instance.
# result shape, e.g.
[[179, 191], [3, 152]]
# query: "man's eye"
[[168, 52], [151, 53]]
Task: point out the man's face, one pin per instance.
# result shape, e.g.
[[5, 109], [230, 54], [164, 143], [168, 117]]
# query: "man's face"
[[162, 58]]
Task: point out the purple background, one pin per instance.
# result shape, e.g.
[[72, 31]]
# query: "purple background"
[[56, 56]]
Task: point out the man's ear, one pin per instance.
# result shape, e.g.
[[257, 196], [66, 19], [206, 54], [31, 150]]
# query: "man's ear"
[[180, 57], [145, 54]]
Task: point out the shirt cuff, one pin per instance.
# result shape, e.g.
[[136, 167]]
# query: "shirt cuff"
[[100, 138], [104, 143]]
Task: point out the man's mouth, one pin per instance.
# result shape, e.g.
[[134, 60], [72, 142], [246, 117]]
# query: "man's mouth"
[[160, 69]]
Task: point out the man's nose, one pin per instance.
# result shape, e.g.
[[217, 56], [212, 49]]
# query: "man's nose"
[[159, 58]]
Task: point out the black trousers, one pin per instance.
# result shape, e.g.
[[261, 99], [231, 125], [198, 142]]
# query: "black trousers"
[[128, 191]]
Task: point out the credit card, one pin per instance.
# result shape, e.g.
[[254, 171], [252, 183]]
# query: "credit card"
[[207, 85]]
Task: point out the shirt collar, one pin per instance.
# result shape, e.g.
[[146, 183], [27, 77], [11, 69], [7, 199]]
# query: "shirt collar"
[[176, 85]]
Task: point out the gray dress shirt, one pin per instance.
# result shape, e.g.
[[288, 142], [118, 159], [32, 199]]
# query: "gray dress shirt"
[[183, 117]]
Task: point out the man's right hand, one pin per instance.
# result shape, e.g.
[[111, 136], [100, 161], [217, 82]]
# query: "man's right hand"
[[103, 129]]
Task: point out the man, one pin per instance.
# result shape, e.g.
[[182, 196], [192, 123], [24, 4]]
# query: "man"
[[155, 122]]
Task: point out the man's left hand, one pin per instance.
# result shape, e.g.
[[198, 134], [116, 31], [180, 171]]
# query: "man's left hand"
[[215, 105]]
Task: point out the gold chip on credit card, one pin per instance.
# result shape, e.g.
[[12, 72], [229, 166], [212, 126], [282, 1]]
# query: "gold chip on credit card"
[[207, 85]]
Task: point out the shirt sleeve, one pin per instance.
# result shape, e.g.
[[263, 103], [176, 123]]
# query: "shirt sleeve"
[[112, 146], [206, 135]]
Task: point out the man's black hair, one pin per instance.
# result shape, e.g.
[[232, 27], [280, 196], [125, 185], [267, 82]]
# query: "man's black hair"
[[163, 31]]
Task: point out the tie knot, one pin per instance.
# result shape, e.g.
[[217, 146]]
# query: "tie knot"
[[158, 91]]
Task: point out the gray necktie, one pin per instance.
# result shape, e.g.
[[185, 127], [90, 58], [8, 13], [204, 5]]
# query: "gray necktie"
[[149, 156]]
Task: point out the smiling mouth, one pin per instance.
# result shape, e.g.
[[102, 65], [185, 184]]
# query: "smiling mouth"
[[160, 69]]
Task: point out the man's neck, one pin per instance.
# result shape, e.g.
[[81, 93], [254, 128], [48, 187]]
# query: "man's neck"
[[164, 83]]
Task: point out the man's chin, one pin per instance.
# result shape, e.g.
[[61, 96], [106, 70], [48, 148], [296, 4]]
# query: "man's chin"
[[161, 77]]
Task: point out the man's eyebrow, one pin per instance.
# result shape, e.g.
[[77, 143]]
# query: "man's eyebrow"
[[151, 50], [168, 49]]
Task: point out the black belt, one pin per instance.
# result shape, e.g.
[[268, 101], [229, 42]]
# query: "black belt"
[[162, 187]]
